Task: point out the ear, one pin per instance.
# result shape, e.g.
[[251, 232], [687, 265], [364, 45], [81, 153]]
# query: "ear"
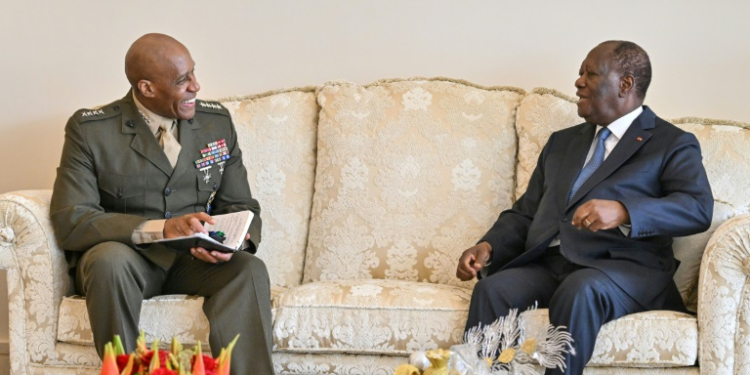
[[146, 88], [627, 84]]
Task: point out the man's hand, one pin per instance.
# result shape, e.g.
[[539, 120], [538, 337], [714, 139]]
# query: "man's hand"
[[212, 256], [186, 225], [599, 214], [473, 260]]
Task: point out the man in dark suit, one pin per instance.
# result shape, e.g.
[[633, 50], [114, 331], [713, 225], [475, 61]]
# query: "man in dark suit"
[[591, 239], [128, 175]]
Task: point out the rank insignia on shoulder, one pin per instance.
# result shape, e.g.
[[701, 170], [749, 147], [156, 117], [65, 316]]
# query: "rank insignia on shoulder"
[[95, 112], [211, 107], [83, 115]]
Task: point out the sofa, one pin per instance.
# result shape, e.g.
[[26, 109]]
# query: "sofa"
[[369, 195]]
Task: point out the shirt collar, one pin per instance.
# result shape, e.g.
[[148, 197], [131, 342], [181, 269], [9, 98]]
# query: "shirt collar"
[[621, 125], [152, 119]]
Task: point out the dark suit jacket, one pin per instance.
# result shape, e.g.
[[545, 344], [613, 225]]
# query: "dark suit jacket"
[[655, 171], [113, 176]]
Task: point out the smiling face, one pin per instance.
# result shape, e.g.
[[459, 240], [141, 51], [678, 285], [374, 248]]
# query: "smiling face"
[[162, 75], [175, 88], [599, 88]]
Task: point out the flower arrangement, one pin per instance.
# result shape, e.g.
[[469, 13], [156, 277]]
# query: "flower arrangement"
[[176, 361], [500, 348]]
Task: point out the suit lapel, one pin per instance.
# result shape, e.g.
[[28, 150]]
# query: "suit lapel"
[[633, 139], [144, 142], [575, 156]]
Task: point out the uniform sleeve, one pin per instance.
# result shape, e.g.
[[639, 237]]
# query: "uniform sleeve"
[[77, 217], [234, 193]]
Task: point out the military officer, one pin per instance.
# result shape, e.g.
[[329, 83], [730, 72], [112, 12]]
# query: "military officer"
[[133, 171]]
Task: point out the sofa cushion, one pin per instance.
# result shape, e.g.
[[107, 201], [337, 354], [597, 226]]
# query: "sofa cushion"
[[162, 317], [277, 135], [410, 173], [386, 317], [725, 156], [648, 339]]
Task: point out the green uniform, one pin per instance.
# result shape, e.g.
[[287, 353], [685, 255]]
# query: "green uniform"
[[113, 176]]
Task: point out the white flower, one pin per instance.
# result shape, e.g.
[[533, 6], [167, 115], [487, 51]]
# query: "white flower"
[[417, 99]]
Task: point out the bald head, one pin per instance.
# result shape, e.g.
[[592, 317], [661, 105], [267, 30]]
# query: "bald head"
[[149, 55], [161, 73]]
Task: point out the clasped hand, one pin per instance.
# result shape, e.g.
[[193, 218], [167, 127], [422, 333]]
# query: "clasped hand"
[[190, 224], [598, 214]]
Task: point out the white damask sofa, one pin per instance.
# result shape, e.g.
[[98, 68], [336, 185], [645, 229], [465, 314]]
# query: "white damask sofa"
[[369, 195]]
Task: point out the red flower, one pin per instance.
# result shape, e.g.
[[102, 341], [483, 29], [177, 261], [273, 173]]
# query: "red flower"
[[146, 359], [208, 363], [122, 361], [164, 371]]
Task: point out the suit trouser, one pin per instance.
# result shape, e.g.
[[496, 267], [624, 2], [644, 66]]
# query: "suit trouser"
[[116, 278], [581, 299]]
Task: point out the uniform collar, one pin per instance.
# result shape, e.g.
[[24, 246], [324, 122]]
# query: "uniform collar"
[[153, 120]]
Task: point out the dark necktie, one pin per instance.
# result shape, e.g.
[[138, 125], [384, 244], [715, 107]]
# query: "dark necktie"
[[594, 163]]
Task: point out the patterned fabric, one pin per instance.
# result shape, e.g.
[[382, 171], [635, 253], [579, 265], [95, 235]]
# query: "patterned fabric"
[[726, 158], [370, 317], [540, 114], [277, 134], [339, 364], [648, 339], [725, 301], [409, 175], [162, 317]]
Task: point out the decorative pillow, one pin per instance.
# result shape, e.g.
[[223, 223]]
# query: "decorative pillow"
[[410, 174], [277, 135], [726, 156], [541, 113]]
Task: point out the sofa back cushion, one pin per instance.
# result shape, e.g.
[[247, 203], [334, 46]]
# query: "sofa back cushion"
[[410, 173], [277, 135], [726, 157]]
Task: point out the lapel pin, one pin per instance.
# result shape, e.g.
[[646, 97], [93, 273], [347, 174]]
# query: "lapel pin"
[[639, 139]]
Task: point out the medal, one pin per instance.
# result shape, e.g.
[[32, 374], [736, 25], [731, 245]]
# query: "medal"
[[206, 174]]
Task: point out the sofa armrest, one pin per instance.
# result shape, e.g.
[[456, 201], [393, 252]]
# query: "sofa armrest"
[[724, 301], [37, 277]]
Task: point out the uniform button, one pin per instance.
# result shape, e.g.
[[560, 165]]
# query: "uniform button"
[[168, 215], [130, 123], [565, 219], [167, 191], [215, 186], [190, 121], [119, 194], [116, 108]]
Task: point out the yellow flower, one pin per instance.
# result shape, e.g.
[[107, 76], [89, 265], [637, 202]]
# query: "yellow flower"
[[529, 346], [406, 370], [507, 355]]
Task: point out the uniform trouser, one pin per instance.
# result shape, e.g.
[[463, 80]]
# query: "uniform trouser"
[[581, 299], [116, 278]]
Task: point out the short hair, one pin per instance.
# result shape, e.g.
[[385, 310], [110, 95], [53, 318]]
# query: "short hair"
[[630, 58]]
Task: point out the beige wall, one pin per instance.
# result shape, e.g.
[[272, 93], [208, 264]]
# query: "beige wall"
[[60, 56]]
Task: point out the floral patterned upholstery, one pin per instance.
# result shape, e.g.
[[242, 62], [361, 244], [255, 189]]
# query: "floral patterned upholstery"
[[370, 317], [277, 135], [410, 173], [648, 339]]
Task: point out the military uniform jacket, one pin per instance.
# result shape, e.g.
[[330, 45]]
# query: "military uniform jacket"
[[114, 175]]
